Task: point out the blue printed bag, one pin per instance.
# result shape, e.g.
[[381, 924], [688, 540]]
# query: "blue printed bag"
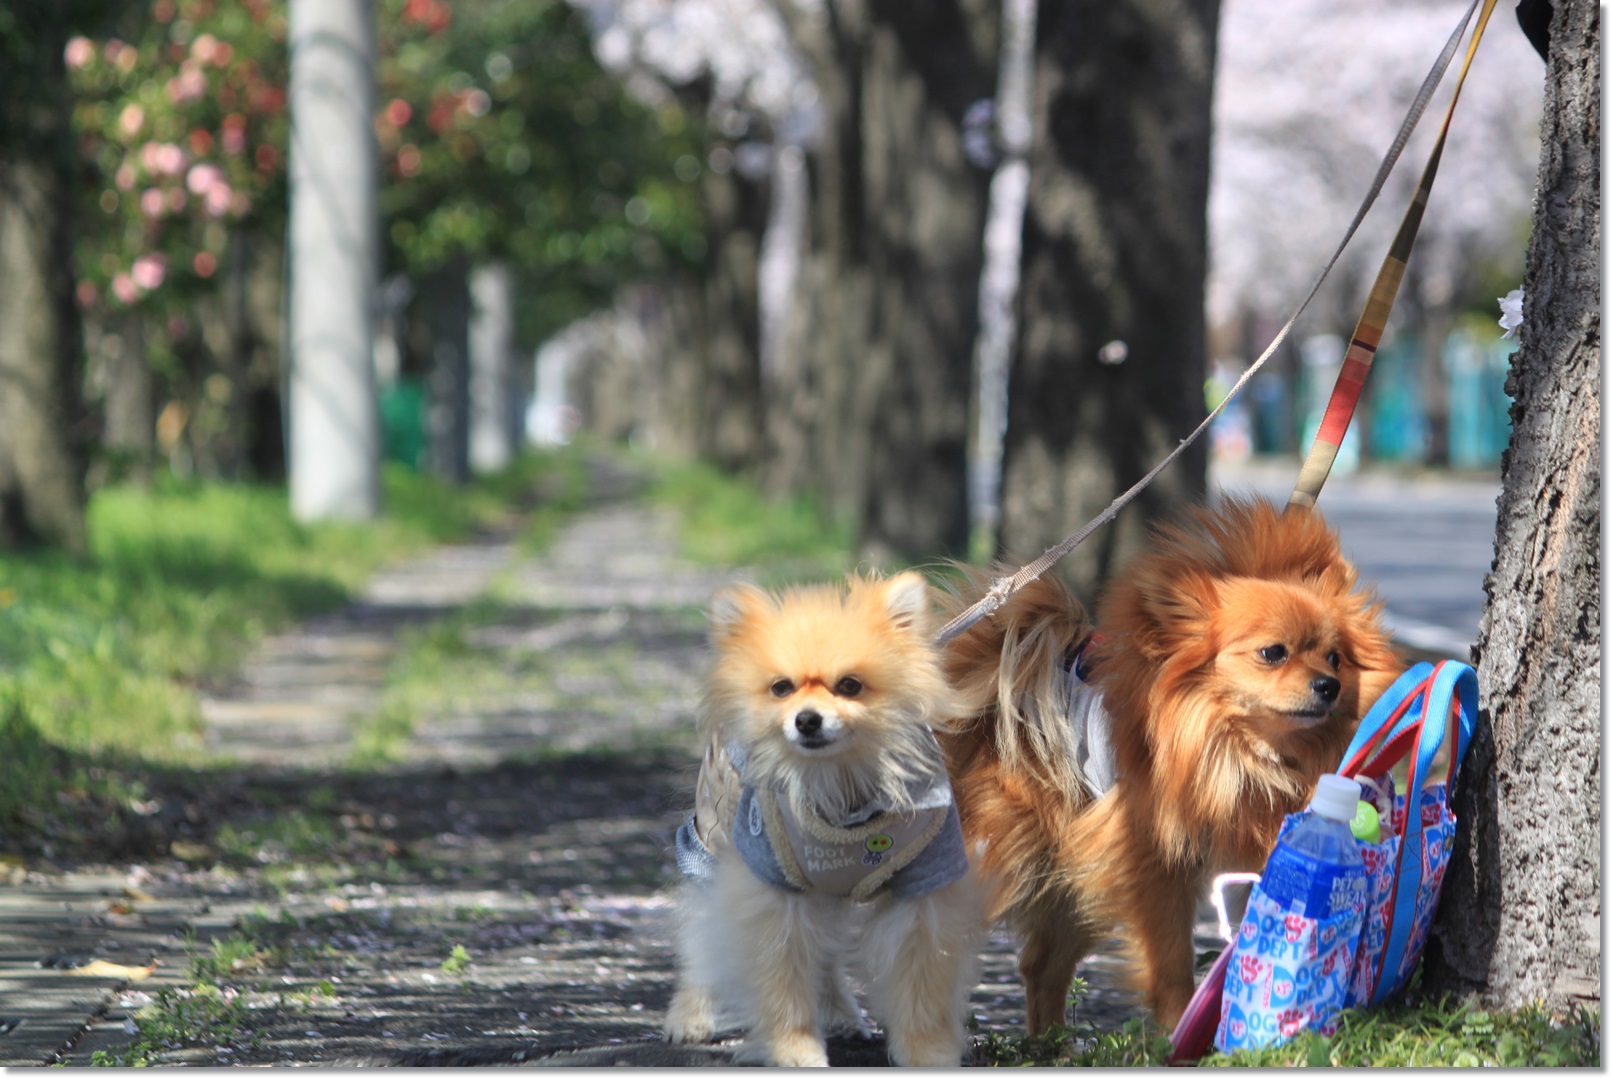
[[1288, 972]]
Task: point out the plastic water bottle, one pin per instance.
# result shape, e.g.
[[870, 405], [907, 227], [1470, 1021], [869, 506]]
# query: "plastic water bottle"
[[1316, 869]]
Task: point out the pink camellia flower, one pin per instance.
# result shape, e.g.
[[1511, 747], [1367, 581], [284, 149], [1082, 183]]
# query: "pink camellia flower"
[[152, 202], [189, 85], [149, 271], [124, 288], [232, 133], [204, 263], [203, 178], [171, 159], [218, 199], [111, 49], [132, 119], [125, 177], [148, 157], [202, 48], [80, 51]]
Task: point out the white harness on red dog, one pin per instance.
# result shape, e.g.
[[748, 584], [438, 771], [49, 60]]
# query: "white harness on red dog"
[[1089, 726]]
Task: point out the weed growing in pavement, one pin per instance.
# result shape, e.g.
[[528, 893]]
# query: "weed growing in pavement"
[[1138, 1043], [458, 960], [203, 1015]]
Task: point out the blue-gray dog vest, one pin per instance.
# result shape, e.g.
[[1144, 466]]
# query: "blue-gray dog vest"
[[908, 853]]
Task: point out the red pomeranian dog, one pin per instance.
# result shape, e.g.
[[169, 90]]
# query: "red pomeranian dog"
[[1110, 774]]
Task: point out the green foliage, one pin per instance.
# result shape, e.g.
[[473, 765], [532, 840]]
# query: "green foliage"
[[181, 116], [501, 137]]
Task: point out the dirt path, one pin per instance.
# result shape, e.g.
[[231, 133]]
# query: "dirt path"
[[497, 894]]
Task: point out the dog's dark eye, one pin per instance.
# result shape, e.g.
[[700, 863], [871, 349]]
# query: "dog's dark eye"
[[1273, 653], [848, 686], [783, 687], [1333, 660]]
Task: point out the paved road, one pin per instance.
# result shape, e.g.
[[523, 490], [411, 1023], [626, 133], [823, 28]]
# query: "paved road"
[[1424, 542], [553, 879]]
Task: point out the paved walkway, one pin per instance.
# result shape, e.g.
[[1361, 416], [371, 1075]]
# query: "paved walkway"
[[526, 819]]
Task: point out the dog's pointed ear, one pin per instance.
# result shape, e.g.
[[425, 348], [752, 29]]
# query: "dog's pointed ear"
[[906, 598], [731, 607], [1175, 610]]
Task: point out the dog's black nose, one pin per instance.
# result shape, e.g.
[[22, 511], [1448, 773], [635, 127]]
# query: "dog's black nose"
[[808, 722], [1326, 687]]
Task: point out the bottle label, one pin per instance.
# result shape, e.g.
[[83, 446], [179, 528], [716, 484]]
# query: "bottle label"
[[1307, 885]]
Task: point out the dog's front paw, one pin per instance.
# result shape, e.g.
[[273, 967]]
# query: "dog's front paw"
[[692, 1016], [937, 1049], [797, 1049]]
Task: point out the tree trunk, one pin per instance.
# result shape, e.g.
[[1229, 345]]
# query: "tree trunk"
[[728, 429], [447, 410], [1520, 918], [335, 418], [869, 408], [494, 399], [1110, 362], [41, 460]]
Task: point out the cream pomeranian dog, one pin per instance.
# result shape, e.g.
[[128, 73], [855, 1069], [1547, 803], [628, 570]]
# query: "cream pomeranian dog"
[[824, 838]]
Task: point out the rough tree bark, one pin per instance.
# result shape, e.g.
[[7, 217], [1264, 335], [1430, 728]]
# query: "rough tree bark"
[[869, 408], [1108, 371], [42, 465], [1520, 917]]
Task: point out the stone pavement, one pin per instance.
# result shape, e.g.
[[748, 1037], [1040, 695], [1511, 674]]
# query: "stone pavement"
[[527, 820]]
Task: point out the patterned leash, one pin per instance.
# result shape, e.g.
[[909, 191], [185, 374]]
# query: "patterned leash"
[[1369, 330], [1003, 587]]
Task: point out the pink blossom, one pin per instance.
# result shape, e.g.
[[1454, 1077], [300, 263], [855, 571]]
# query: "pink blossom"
[[80, 51], [177, 199], [111, 49], [218, 199], [234, 139], [152, 202], [149, 271], [124, 288], [202, 48], [148, 157], [125, 177], [131, 120], [189, 85], [171, 159], [88, 293], [203, 178]]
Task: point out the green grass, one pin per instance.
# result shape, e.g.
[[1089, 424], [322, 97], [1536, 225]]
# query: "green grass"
[[1426, 1034], [103, 657], [727, 522]]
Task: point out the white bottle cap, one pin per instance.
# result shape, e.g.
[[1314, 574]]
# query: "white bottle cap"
[[1336, 797]]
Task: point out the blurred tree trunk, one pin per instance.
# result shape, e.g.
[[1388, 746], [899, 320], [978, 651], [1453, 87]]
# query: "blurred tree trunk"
[[335, 447], [1108, 373], [447, 416], [728, 428], [494, 397], [870, 405], [1520, 917], [41, 338], [129, 392]]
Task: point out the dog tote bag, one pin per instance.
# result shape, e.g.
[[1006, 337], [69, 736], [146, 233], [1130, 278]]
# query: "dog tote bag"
[[1287, 971], [1405, 870]]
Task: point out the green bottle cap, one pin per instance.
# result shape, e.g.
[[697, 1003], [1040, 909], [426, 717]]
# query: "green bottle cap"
[[1366, 826]]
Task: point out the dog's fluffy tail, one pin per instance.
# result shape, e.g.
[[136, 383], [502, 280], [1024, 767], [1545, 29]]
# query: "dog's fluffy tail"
[[1012, 671]]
